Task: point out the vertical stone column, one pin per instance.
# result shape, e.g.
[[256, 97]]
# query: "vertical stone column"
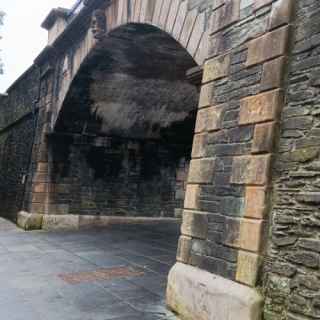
[[40, 192], [224, 226]]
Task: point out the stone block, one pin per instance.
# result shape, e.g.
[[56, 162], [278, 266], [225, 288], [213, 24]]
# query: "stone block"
[[199, 145], [255, 205], [60, 222], [225, 15], [248, 268], [273, 74], [208, 119], [309, 197], [205, 95], [164, 13], [197, 294], [264, 137], [29, 221], [201, 170], [253, 170], [197, 31], [89, 222], [184, 249], [192, 196], [216, 68], [39, 187], [262, 107], [172, 15], [281, 13], [269, 46], [195, 224], [244, 234]]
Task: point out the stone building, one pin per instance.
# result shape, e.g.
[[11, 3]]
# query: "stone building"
[[209, 109]]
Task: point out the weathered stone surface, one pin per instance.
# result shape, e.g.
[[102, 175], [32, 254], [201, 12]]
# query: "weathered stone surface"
[[192, 196], [194, 224], [184, 249], [201, 170], [197, 294], [225, 15], [309, 197], [268, 46], [29, 221], [262, 107], [199, 145], [60, 222], [273, 74], [281, 13], [205, 95], [252, 170], [247, 268], [255, 202], [216, 68], [209, 119], [264, 137]]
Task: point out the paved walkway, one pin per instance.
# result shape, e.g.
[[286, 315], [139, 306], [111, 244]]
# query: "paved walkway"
[[117, 273]]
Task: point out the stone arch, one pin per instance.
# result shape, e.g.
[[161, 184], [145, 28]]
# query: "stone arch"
[[187, 27], [127, 123]]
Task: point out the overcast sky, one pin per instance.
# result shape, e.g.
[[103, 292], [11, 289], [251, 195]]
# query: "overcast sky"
[[23, 38]]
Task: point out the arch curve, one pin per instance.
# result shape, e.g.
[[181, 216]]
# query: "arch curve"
[[187, 27]]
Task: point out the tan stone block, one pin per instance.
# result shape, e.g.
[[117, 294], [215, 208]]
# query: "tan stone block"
[[216, 68], [248, 265], [251, 234], [137, 11], [194, 224], [205, 95], [264, 137], [269, 46], [262, 107], [147, 10], [273, 74], [184, 249], [244, 234], [29, 221], [192, 196], [225, 15], [199, 145], [261, 3], [256, 204], [164, 14], [208, 119], [253, 170], [203, 49], [60, 222], [42, 167], [281, 13], [201, 170]]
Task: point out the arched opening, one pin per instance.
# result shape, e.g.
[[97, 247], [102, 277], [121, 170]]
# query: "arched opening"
[[122, 142]]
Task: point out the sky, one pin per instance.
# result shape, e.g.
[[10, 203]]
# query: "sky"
[[22, 36]]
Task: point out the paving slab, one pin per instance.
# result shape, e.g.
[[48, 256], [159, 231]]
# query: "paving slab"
[[118, 272]]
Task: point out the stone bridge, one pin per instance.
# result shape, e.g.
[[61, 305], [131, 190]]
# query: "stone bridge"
[[200, 110]]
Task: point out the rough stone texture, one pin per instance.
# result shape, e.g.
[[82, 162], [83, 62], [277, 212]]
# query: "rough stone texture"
[[29, 221], [197, 294], [60, 222], [216, 68], [291, 269], [194, 224]]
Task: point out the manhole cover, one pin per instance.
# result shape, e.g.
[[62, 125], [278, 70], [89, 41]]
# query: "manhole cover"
[[100, 274]]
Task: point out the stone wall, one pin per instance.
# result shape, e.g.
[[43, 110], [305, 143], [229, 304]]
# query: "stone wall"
[[17, 127], [291, 272]]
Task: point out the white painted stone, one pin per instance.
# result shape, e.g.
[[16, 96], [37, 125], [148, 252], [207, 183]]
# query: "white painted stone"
[[196, 294]]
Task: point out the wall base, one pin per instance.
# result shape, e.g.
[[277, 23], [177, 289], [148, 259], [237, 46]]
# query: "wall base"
[[50, 222], [196, 294]]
